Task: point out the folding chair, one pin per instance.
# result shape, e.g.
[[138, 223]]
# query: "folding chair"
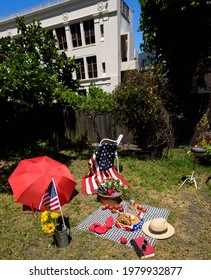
[[117, 141], [101, 166]]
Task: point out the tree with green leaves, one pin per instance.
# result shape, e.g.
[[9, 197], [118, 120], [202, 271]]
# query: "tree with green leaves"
[[179, 34], [139, 107], [96, 102], [32, 72]]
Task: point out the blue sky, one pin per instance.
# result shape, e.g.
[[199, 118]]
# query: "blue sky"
[[11, 6]]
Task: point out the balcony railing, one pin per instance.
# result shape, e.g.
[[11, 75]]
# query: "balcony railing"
[[31, 9]]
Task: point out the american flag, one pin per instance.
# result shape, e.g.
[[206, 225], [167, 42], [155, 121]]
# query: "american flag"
[[101, 166], [50, 198]]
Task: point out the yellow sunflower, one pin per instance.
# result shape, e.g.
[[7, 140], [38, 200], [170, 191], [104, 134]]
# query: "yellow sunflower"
[[44, 228], [44, 216], [54, 215], [51, 227]]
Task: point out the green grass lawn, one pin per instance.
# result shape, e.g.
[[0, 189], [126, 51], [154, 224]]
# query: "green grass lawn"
[[154, 182]]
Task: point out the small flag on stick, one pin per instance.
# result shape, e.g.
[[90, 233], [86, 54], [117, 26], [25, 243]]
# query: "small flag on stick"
[[50, 198], [51, 201]]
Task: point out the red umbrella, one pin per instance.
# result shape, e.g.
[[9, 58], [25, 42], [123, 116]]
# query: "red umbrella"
[[31, 178]]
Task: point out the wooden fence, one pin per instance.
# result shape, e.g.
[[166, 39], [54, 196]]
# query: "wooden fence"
[[78, 124], [57, 123]]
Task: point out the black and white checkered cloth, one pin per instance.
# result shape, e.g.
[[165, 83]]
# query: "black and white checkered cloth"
[[115, 233]]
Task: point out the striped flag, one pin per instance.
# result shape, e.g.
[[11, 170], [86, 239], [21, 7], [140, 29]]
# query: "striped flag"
[[50, 198], [101, 166]]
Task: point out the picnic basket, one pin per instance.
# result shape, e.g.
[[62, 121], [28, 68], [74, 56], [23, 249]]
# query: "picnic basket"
[[110, 199]]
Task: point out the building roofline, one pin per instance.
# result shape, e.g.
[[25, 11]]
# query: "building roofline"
[[31, 9]]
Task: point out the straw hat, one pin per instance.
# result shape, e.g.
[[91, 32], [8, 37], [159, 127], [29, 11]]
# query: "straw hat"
[[158, 228]]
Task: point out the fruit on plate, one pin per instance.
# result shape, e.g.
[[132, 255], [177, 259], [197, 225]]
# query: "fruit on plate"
[[123, 240]]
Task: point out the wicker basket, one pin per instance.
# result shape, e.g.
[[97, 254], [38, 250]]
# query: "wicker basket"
[[108, 199]]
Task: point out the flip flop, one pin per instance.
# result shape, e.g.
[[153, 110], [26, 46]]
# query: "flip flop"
[[94, 226], [109, 222], [101, 229]]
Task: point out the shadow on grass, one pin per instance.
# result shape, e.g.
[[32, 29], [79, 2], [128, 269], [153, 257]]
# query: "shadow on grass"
[[10, 157]]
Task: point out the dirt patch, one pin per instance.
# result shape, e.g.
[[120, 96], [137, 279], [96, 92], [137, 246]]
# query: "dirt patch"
[[193, 224]]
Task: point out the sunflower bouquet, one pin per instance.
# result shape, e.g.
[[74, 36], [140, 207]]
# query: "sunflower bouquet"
[[49, 221]]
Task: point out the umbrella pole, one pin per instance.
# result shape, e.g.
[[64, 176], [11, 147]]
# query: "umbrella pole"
[[32, 209]]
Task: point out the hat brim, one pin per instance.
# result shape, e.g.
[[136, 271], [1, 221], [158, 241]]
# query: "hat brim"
[[170, 231]]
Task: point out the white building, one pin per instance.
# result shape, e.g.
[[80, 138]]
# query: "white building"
[[97, 33]]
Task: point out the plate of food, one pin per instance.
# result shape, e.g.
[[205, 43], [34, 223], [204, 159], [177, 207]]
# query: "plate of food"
[[129, 221]]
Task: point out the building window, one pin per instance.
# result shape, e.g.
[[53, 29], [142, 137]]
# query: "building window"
[[102, 31], [89, 32], [61, 37], [92, 66], [80, 71], [76, 35], [125, 10], [50, 32], [82, 92], [104, 67]]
